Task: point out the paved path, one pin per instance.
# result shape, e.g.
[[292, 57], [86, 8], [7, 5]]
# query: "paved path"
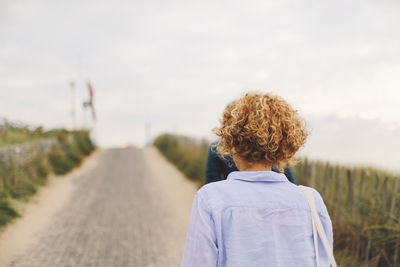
[[132, 209]]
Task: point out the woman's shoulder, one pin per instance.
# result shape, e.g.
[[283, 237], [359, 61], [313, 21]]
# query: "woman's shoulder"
[[215, 193], [212, 188], [319, 202]]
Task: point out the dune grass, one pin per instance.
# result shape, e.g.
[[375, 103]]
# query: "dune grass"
[[12, 133], [20, 179], [187, 154]]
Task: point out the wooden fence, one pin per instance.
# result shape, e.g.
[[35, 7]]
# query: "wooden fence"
[[364, 208]]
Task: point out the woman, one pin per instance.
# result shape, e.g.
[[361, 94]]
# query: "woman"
[[256, 217]]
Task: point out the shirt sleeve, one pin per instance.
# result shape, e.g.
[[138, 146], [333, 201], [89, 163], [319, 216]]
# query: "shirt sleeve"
[[201, 245], [327, 224]]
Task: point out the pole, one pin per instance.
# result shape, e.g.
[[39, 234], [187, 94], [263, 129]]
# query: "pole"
[[73, 111]]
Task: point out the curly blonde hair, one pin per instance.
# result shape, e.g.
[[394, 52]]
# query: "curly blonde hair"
[[261, 128]]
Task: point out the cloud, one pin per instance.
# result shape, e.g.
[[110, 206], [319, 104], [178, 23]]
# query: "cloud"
[[178, 63], [353, 140]]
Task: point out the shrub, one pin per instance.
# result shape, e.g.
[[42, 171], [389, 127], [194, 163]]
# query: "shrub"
[[23, 189], [59, 161], [7, 172], [7, 213], [73, 153], [42, 167], [187, 154], [83, 142]]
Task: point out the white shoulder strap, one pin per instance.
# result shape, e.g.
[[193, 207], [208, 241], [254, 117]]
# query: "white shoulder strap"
[[318, 229]]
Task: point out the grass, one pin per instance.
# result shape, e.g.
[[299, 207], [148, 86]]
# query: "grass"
[[187, 154], [20, 179], [365, 233], [12, 133], [360, 201], [23, 189], [7, 213]]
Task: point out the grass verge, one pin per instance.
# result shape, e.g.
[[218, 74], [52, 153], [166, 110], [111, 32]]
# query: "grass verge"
[[20, 179]]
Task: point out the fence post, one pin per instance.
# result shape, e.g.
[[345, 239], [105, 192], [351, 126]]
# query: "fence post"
[[305, 171], [396, 251], [350, 191], [313, 173], [354, 195], [392, 206], [394, 196], [338, 193], [331, 182], [336, 183], [384, 197], [324, 178], [374, 194], [361, 211], [360, 189]]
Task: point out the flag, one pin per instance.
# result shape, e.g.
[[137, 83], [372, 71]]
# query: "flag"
[[91, 100]]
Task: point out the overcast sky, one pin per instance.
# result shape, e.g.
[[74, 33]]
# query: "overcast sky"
[[176, 64]]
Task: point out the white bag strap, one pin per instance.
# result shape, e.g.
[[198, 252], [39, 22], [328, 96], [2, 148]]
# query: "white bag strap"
[[318, 229], [315, 235]]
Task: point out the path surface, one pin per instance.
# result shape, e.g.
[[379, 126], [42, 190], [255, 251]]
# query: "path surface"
[[131, 209]]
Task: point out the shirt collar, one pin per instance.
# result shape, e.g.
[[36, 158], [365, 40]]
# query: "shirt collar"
[[258, 176]]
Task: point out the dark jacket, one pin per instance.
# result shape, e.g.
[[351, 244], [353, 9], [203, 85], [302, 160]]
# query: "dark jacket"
[[218, 168]]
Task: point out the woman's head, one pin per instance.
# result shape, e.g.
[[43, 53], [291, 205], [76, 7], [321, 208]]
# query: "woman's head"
[[261, 128]]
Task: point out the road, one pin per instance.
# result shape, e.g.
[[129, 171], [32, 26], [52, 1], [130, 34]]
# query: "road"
[[131, 209]]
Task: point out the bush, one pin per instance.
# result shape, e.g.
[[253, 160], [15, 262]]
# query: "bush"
[[42, 167], [83, 142], [73, 154], [23, 190], [187, 154], [7, 213], [8, 172], [59, 161]]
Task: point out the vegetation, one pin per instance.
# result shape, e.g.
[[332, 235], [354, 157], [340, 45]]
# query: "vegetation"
[[363, 202], [12, 133], [22, 173], [364, 209], [7, 213], [187, 154]]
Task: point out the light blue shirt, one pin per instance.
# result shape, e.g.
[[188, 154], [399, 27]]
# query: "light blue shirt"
[[253, 219]]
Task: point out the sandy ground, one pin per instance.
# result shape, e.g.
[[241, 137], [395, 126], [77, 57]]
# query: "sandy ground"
[[37, 213], [178, 187], [76, 220]]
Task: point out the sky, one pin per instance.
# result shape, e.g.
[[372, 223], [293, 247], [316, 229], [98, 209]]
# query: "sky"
[[175, 65]]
